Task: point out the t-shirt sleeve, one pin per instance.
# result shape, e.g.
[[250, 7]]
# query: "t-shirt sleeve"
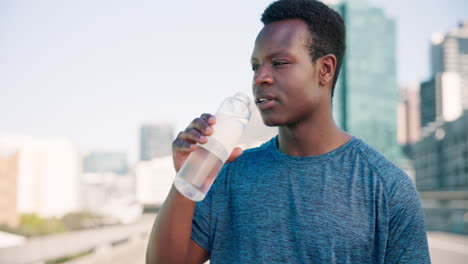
[[201, 222], [407, 241]]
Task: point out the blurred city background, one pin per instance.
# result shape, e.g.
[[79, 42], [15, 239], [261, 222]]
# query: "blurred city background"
[[92, 93]]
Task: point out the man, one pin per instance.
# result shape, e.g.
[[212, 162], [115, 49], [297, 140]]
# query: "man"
[[314, 193]]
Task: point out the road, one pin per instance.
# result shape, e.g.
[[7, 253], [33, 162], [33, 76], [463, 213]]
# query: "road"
[[129, 252], [448, 248]]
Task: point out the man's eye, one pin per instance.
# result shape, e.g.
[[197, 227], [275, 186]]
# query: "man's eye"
[[279, 63], [255, 67]]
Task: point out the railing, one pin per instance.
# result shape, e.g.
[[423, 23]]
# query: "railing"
[[44, 249], [444, 195], [446, 211]]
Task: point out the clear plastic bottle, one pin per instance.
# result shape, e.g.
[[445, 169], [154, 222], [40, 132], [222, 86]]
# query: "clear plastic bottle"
[[202, 166]]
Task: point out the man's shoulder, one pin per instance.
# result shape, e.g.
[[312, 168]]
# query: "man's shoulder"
[[256, 152], [374, 158], [389, 173]]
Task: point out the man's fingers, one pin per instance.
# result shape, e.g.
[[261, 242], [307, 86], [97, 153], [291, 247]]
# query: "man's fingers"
[[184, 146], [236, 152], [209, 118], [196, 132], [186, 141], [202, 125], [192, 135]]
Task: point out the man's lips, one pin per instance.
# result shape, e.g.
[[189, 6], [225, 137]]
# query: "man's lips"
[[265, 101], [262, 101], [263, 98]]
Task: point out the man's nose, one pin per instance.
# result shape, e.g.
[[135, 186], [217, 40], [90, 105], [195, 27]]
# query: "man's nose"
[[263, 77]]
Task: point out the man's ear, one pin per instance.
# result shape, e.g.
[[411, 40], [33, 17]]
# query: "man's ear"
[[327, 70]]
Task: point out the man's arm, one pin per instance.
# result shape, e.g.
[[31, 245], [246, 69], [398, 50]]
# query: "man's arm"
[[170, 240], [407, 240]]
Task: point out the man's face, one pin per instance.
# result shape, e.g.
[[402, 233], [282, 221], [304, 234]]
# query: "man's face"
[[285, 82]]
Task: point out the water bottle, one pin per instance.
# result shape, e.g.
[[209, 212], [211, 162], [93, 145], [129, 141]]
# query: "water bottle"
[[202, 166]]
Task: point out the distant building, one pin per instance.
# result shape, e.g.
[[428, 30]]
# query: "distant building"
[[365, 100], [440, 98], [154, 180], [47, 177], [441, 156], [9, 170], [449, 53], [428, 96], [409, 115], [444, 96], [102, 162], [156, 141]]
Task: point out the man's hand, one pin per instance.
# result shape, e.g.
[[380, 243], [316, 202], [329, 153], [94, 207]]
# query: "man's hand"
[[170, 240], [196, 132]]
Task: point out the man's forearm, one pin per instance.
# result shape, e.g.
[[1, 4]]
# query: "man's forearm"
[[170, 238]]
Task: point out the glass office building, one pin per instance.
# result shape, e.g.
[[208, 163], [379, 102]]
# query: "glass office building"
[[366, 96]]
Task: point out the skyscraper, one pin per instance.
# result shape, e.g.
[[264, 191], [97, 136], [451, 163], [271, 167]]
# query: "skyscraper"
[[449, 53], [155, 141], [366, 98], [445, 95]]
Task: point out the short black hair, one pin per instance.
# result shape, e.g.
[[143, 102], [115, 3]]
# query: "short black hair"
[[326, 27]]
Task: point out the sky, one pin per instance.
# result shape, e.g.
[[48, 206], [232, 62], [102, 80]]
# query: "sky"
[[95, 71]]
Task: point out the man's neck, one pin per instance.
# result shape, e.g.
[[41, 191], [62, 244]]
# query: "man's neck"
[[311, 138]]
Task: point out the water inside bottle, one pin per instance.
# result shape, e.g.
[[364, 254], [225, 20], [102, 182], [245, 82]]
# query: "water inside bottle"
[[228, 129], [198, 174]]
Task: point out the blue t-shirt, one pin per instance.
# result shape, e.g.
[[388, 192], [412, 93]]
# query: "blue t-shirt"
[[350, 205]]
